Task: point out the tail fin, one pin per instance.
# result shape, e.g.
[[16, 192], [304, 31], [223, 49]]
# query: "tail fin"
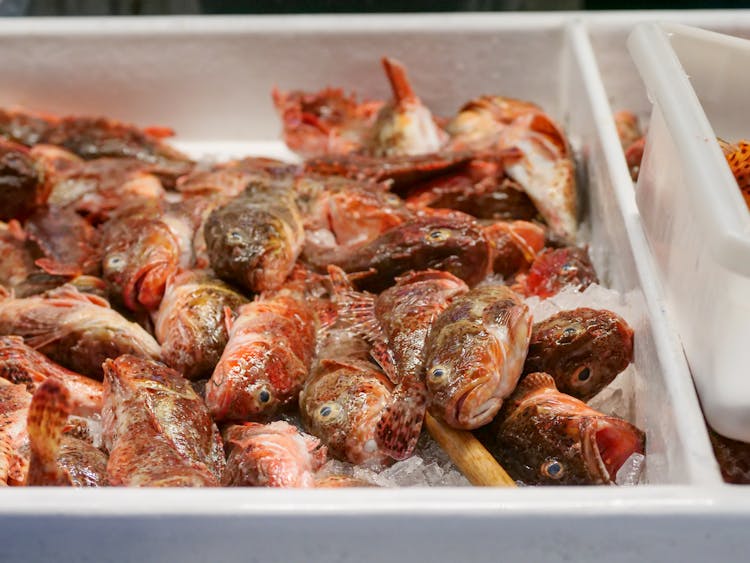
[[48, 414]]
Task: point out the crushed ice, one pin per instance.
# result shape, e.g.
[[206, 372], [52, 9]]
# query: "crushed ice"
[[630, 472]]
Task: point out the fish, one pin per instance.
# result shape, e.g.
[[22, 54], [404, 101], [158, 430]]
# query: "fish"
[[397, 323], [271, 455], [733, 457], [142, 248], [16, 258], [20, 363], [229, 179], [543, 436], [555, 269], [583, 350], [96, 137], [738, 158], [76, 330], [336, 481], [481, 188], [67, 242], [544, 167], [191, 322], [157, 430], [267, 359], [474, 355], [515, 245], [255, 239], [14, 439], [343, 399], [441, 240], [23, 187], [325, 122], [403, 126]]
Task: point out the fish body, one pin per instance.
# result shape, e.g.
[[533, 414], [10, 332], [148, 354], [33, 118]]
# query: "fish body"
[[157, 430], [190, 324], [733, 457], [20, 363], [255, 239], [23, 186], [555, 269], [74, 329], [14, 438], [271, 455], [441, 240], [344, 397], [266, 360], [16, 259], [515, 245], [546, 437], [229, 179], [475, 354], [583, 350]]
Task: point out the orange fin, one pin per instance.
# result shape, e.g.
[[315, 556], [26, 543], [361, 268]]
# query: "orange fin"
[[48, 414], [533, 382], [402, 90], [400, 425], [228, 319]]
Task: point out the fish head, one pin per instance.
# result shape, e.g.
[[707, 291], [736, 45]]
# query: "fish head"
[[557, 268], [583, 349]]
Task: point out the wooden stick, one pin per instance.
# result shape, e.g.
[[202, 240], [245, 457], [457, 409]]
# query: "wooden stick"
[[469, 455]]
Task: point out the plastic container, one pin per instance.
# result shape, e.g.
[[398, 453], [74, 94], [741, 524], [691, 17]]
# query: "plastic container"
[[695, 218], [210, 79]]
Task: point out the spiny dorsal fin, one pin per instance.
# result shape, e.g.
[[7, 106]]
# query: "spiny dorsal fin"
[[534, 382]]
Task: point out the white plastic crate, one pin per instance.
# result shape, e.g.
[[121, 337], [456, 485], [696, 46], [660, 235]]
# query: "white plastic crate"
[[210, 79], [695, 218]]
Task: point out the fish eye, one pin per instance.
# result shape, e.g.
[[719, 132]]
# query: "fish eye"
[[328, 412], [569, 334], [114, 262], [234, 237], [568, 267], [438, 235], [582, 374], [264, 396], [553, 469], [438, 375]]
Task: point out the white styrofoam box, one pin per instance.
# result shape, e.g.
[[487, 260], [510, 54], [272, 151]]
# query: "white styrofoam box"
[[695, 218], [210, 79]]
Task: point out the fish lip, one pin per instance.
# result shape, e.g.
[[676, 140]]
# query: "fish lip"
[[484, 413], [133, 297], [592, 431]]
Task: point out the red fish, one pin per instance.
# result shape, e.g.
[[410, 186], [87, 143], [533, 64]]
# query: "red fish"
[[271, 455], [20, 363], [157, 430], [14, 439], [16, 259], [230, 179], [475, 354], [583, 350], [515, 245], [397, 322], [266, 361], [546, 437], [555, 269], [23, 187]]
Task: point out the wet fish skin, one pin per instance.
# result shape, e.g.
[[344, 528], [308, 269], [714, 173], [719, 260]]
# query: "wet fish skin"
[[255, 239], [271, 455], [542, 436], [14, 439], [158, 431], [555, 269], [191, 322], [582, 349], [22, 182], [266, 360], [474, 355]]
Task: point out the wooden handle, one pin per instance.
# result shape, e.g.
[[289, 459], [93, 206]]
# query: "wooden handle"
[[469, 455]]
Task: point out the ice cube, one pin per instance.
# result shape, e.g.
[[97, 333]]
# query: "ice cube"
[[630, 472]]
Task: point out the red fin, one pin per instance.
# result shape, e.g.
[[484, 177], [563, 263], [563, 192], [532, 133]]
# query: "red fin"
[[16, 230], [228, 319], [48, 414], [356, 309], [382, 355], [402, 90], [71, 292], [57, 269], [400, 425], [533, 382]]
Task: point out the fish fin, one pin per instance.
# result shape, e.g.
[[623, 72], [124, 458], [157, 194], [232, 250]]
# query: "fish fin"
[[69, 292], [355, 308], [43, 339], [58, 269], [228, 319], [382, 355], [508, 316], [5, 293], [16, 230], [396, 73], [535, 381], [48, 414], [400, 425]]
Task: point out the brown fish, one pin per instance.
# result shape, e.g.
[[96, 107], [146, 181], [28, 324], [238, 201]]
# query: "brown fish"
[[546, 437], [267, 359], [733, 457], [271, 455], [255, 239], [76, 330], [23, 187], [441, 240], [555, 269], [191, 323], [20, 363], [157, 430], [583, 350], [474, 355], [14, 439], [397, 323], [143, 247], [16, 258], [344, 397], [230, 179]]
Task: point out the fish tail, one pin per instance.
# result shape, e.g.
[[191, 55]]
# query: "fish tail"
[[48, 414], [400, 425]]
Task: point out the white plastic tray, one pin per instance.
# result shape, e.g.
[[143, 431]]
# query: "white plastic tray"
[[695, 218], [210, 78]]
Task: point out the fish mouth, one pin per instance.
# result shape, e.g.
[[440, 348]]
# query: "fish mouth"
[[607, 445], [485, 410], [148, 285]]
